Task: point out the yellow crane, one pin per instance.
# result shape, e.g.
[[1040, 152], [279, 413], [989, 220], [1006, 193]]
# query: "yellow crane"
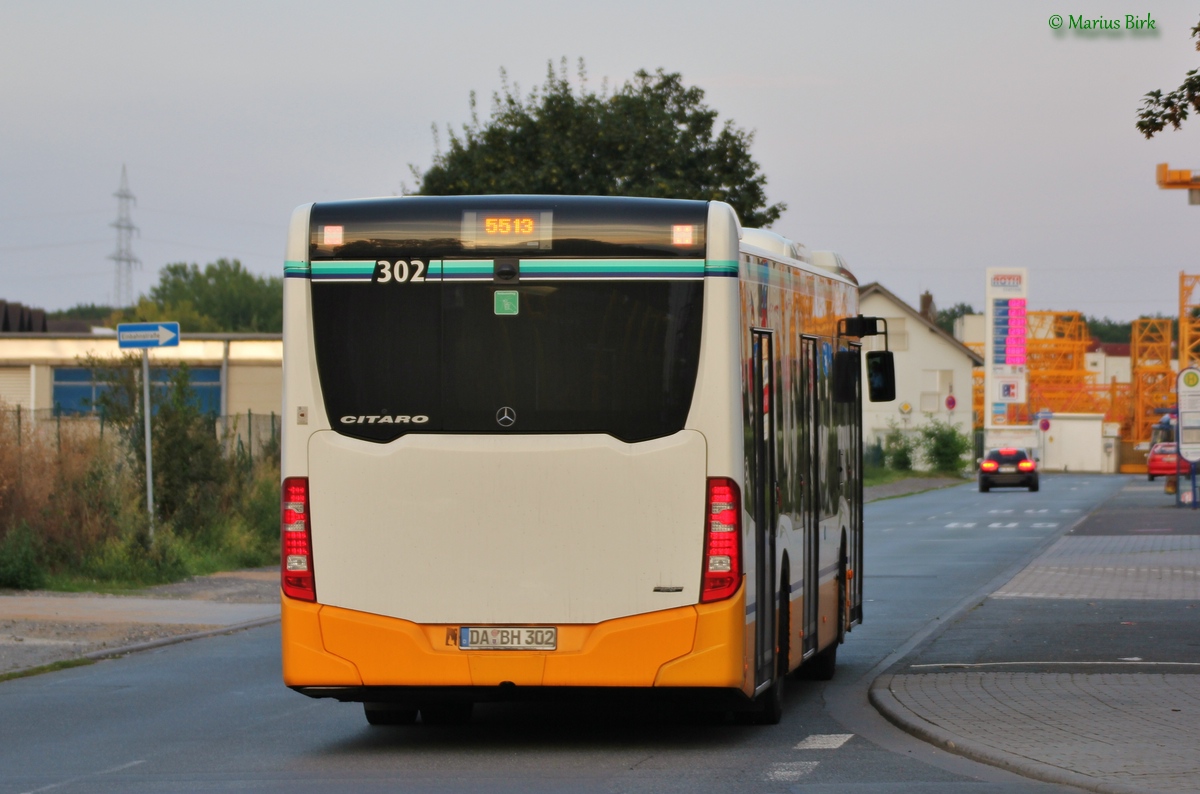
[[1179, 179]]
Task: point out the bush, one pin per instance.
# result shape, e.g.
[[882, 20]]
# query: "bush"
[[72, 492], [943, 445], [897, 448], [20, 559], [134, 560]]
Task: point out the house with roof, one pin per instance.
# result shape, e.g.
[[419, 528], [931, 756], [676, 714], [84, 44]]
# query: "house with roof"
[[933, 369]]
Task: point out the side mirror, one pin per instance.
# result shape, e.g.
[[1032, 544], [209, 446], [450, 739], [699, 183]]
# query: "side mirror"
[[846, 375], [881, 376]]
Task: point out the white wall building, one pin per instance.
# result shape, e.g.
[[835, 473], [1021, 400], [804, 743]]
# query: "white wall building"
[[933, 369], [231, 373]]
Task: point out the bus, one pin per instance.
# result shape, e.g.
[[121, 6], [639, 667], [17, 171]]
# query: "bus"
[[538, 446]]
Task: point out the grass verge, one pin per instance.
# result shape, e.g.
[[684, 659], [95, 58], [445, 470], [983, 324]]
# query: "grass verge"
[[879, 475], [66, 664]]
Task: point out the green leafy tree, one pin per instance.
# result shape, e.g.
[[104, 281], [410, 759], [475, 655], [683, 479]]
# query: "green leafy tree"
[[653, 137], [93, 313], [189, 468], [1108, 330], [224, 296], [1159, 109], [946, 317]]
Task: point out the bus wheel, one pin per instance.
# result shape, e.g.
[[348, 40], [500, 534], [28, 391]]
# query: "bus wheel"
[[439, 714], [387, 714]]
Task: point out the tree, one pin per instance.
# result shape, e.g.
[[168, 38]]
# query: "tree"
[[946, 317], [222, 297], [1108, 330], [653, 136], [1159, 109]]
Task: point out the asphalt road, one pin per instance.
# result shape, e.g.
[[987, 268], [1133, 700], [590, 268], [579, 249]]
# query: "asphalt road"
[[212, 715]]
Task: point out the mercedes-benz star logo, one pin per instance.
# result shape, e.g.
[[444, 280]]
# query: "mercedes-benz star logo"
[[506, 417]]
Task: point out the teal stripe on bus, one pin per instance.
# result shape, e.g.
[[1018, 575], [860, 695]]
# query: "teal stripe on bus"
[[294, 268], [465, 269], [613, 267], [721, 267], [346, 269]]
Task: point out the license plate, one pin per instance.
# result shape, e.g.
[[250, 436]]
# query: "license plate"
[[1007, 469], [508, 638]]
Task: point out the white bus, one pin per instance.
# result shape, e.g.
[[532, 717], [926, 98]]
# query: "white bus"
[[544, 445]]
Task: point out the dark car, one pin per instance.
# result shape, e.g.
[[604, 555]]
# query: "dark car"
[[1007, 467], [1164, 459]]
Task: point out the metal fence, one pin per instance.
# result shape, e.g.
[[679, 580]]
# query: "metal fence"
[[249, 433]]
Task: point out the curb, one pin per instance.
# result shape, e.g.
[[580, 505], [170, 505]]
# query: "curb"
[[886, 703], [109, 653]]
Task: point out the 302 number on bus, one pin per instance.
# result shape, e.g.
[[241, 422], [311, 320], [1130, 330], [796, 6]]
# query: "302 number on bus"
[[402, 271]]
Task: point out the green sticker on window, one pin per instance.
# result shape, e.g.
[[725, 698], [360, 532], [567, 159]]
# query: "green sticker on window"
[[506, 302]]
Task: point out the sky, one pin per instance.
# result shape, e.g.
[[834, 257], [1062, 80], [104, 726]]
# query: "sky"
[[924, 141]]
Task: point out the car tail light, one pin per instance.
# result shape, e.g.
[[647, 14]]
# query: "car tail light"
[[1026, 465], [722, 540], [989, 465], [1008, 452], [297, 564]]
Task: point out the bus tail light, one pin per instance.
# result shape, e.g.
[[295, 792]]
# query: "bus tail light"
[[297, 564], [722, 541]]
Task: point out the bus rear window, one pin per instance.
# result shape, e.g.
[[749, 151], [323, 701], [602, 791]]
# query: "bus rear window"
[[615, 357]]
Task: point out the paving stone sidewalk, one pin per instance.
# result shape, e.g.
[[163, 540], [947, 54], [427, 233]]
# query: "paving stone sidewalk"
[[1098, 685]]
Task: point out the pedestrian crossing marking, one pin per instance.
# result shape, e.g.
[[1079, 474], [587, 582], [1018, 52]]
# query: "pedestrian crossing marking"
[[827, 741], [791, 771]]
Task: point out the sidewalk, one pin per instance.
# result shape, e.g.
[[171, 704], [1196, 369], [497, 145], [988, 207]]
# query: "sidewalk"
[[40, 628], [1084, 669]]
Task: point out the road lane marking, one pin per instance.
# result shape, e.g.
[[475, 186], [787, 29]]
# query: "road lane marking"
[[791, 771], [960, 525], [84, 777], [1045, 525], [827, 741], [1000, 511], [1003, 525]]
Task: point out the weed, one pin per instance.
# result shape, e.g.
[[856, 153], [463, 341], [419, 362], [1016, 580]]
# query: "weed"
[[20, 559]]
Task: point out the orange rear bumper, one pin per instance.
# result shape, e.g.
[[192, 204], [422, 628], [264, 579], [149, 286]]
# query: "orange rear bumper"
[[694, 646]]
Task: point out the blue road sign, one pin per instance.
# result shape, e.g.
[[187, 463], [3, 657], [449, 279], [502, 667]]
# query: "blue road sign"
[[148, 335]]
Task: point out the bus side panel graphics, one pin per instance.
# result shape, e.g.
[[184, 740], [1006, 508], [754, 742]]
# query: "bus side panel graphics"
[[810, 437]]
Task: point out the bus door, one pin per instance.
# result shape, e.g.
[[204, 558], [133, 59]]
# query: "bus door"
[[810, 503], [855, 477], [765, 504]]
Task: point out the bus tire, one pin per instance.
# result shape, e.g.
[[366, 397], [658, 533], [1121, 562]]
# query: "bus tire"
[[387, 714], [445, 714]]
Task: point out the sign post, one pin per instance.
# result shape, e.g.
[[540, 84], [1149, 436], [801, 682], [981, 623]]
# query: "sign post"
[[144, 336], [1187, 389]]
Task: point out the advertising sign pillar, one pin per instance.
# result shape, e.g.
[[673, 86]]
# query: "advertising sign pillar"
[[1006, 380]]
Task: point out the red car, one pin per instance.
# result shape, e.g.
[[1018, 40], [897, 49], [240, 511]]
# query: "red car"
[[1162, 459]]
